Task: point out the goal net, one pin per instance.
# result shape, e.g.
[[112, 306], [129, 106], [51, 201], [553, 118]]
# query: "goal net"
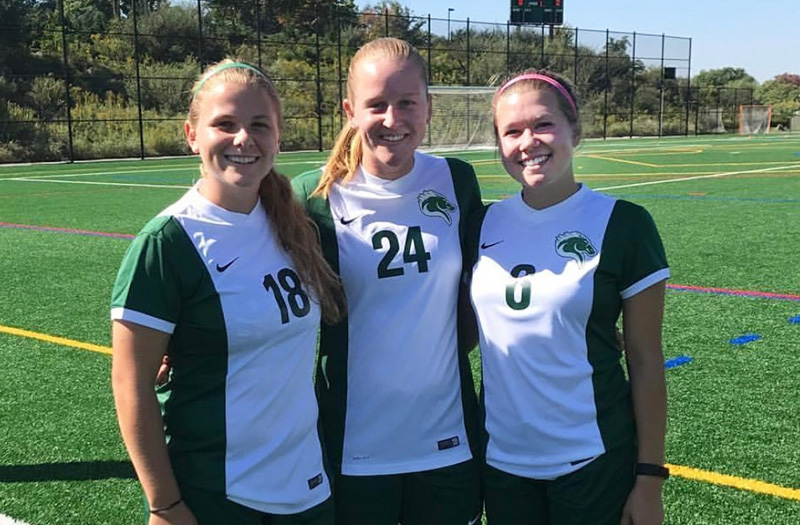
[[710, 121], [754, 119], [461, 118]]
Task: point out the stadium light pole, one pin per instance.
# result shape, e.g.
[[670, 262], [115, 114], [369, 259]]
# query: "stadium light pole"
[[449, 10]]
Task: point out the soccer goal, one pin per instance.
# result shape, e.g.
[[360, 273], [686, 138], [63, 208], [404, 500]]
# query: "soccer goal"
[[710, 121], [461, 119], [754, 119]]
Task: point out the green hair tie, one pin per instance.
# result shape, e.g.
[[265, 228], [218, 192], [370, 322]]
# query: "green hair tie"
[[223, 67]]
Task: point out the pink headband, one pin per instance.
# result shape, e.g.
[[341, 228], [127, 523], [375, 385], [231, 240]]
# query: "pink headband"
[[544, 78]]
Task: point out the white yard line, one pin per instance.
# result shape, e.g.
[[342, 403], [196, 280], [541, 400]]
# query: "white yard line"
[[95, 183], [50, 174], [6, 520], [666, 181], [712, 176], [93, 173]]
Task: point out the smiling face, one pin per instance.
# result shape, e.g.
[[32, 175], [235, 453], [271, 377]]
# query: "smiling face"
[[536, 144], [237, 136], [390, 108]]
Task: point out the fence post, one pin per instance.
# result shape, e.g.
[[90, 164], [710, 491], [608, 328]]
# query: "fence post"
[[541, 59], [661, 92], [200, 36], [697, 114], [689, 90], [575, 68], [508, 47], [430, 44], [633, 84], [318, 51], [605, 92], [385, 21], [469, 52], [339, 65], [70, 148], [258, 31], [138, 77]]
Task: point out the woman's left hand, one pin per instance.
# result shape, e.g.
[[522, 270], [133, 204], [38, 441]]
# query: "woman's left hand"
[[644, 505]]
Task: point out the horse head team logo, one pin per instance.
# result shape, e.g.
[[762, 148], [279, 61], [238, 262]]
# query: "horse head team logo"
[[575, 246], [434, 204]]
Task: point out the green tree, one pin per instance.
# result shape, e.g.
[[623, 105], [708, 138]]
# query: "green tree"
[[783, 93], [726, 77]]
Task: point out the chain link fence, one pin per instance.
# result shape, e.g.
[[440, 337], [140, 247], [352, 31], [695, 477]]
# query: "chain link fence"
[[119, 87]]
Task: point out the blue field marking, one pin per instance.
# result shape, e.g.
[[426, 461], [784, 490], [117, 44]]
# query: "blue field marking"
[[677, 361], [795, 319], [744, 339]]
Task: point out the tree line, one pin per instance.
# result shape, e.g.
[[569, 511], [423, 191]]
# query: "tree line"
[[110, 78]]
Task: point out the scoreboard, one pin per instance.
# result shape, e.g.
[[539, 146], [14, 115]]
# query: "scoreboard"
[[537, 12]]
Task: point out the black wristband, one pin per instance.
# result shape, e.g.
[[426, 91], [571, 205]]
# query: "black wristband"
[[650, 469], [168, 507]]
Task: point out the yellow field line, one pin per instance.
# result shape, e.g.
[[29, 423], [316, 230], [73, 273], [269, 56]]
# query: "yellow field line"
[[752, 485], [623, 161], [651, 153], [484, 161], [56, 340]]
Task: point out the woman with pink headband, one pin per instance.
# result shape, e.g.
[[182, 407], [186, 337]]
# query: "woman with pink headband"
[[570, 440]]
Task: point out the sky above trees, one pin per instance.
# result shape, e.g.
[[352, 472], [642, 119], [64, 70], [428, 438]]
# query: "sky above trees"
[[761, 37]]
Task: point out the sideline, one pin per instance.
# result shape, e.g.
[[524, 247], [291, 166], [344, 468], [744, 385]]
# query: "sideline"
[[8, 520], [55, 340], [751, 485]]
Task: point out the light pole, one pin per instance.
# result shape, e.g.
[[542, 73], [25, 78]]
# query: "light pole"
[[449, 10]]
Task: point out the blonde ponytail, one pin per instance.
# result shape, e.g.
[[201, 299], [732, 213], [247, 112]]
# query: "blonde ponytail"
[[342, 162]]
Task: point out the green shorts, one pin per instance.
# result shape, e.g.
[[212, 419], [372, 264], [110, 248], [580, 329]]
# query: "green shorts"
[[213, 508], [592, 495], [446, 496]]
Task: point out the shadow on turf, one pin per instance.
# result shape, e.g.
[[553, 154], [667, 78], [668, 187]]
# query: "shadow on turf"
[[75, 471]]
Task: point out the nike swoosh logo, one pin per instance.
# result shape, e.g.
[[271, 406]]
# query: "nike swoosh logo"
[[348, 221], [221, 269], [485, 246]]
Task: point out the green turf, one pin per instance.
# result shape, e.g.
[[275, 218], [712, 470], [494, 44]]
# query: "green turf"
[[732, 410]]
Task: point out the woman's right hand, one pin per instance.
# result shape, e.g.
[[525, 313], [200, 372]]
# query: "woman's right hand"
[[177, 515]]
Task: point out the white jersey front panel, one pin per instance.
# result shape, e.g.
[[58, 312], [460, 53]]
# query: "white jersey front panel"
[[533, 291], [273, 459], [400, 261]]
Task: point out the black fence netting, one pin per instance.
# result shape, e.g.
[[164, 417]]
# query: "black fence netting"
[[91, 79]]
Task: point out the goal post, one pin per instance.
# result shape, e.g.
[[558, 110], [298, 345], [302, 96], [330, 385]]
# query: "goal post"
[[461, 118], [754, 119], [710, 120]]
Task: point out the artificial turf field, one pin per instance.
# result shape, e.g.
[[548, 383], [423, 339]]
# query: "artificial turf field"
[[728, 209]]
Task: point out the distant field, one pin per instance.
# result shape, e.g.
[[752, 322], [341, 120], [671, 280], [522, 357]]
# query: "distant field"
[[728, 209]]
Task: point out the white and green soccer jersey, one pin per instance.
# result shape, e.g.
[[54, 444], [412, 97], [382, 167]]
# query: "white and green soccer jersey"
[[391, 376], [239, 410], [547, 287]]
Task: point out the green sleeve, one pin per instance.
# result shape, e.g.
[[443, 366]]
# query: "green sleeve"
[[633, 249], [147, 282], [304, 185]]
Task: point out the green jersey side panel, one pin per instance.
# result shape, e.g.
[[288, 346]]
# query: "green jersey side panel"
[[632, 250], [170, 282], [331, 376], [468, 195]]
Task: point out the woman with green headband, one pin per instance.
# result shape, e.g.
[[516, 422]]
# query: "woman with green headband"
[[230, 283]]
